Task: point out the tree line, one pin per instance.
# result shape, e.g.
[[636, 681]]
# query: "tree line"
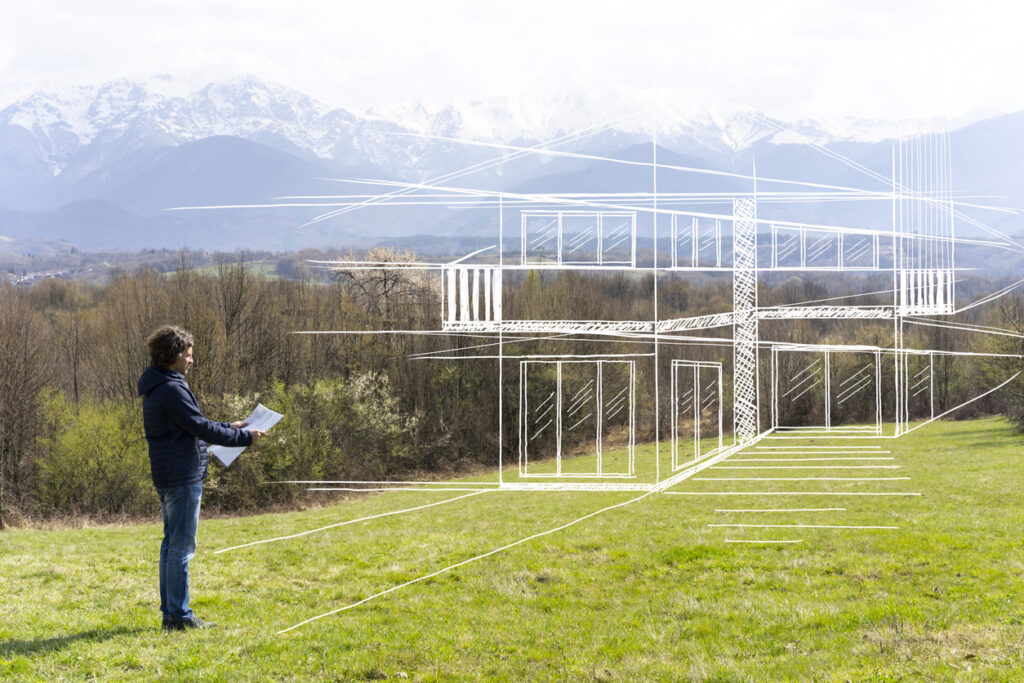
[[358, 406]]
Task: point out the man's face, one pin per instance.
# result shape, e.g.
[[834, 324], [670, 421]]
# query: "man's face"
[[184, 363]]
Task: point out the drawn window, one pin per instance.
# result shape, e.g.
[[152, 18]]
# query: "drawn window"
[[579, 238]]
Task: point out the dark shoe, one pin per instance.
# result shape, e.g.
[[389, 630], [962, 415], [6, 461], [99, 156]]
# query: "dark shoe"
[[183, 624]]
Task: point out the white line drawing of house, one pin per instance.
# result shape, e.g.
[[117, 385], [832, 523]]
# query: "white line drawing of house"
[[708, 383]]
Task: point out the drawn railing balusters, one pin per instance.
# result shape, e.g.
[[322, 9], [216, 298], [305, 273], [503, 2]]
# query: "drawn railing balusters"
[[925, 291], [470, 294], [924, 243]]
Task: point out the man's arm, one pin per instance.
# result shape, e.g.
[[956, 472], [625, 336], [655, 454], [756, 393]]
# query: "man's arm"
[[184, 412]]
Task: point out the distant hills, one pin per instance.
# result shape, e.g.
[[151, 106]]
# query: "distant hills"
[[98, 166]]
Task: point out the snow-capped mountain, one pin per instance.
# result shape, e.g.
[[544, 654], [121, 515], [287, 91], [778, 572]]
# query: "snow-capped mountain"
[[76, 130], [713, 121], [66, 123], [145, 144]]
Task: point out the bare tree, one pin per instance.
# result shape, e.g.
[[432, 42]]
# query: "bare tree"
[[24, 371], [383, 291], [133, 306]]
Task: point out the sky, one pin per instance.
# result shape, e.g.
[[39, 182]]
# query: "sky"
[[889, 59]]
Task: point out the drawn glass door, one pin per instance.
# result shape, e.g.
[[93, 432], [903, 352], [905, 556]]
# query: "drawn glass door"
[[855, 402], [827, 389], [538, 417], [572, 414], [578, 437], [920, 370], [696, 411], [615, 450], [799, 394]]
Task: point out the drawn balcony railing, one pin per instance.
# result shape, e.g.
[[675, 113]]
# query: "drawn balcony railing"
[[794, 248], [470, 294], [925, 291], [578, 238]]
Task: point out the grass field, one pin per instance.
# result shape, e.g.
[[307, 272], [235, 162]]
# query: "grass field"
[[645, 591]]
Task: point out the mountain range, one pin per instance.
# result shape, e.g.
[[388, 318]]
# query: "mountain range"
[[101, 165]]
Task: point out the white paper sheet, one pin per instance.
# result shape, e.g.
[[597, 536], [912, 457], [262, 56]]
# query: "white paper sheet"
[[262, 418]]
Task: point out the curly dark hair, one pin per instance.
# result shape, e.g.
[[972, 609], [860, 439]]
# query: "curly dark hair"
[[166, 344]]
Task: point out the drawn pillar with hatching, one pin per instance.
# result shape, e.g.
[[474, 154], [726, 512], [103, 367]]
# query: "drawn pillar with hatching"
[[746, 410]]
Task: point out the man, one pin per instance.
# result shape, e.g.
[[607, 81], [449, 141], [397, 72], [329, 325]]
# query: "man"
[[177, 434]]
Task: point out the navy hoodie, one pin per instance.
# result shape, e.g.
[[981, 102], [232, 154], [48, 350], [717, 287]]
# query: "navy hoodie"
[[174, 426]]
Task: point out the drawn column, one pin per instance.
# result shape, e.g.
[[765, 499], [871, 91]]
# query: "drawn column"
[[746, 410]]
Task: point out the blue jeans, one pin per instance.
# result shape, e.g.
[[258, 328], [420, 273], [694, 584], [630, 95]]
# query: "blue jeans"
[[180, 508]]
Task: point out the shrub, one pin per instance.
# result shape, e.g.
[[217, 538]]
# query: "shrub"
[[96, 461], [332, 429]]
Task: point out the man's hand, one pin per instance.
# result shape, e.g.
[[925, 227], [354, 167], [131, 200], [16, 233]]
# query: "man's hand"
[[239, 424], [257, 435]]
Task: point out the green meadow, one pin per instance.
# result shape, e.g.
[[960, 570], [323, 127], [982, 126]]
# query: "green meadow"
[[645, 591]]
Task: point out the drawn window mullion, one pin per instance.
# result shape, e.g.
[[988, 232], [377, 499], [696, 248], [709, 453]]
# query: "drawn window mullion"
[[632, 249], [695, 371], [524, 422], [775, 246], [558, 397], [675, 241], [632, 417], [694, 236], [720, 401], [559, 245], [600, 414], [718, 243], [674, 394], [524, 222]]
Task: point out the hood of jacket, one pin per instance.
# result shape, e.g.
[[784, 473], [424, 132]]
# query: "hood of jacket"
[[154, 377]]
